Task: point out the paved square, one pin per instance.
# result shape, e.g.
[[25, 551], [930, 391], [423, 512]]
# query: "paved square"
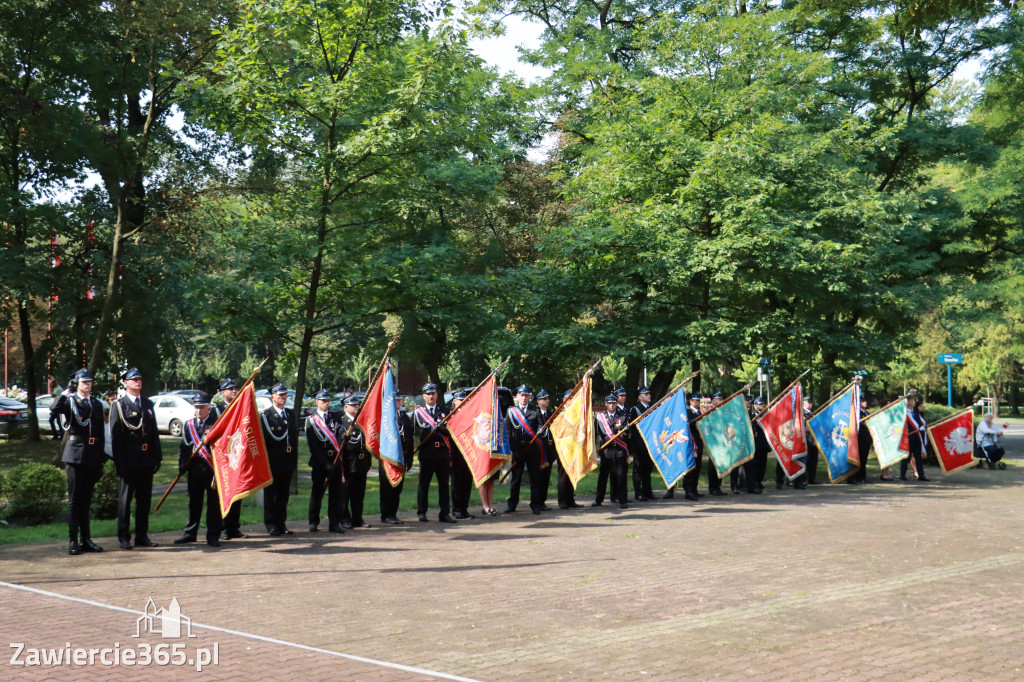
[[896, 580]]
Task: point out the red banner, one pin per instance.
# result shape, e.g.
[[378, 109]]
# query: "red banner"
[[239, 454], [471, 427], [378, 412], [370, 416], [953, 440], [783, 425]]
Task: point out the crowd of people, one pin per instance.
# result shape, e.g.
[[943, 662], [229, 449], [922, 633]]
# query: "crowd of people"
[[340, 462]]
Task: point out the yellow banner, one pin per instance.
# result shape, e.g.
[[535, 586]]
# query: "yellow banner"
[[573, 431]]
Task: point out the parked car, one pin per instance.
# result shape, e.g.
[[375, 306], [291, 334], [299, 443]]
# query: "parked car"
[[172, 411], [13, 414], [189, 394]]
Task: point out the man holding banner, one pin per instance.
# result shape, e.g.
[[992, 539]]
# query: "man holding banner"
[[323, 429], [643, 465], [522, 425], [616, 455], [435, 455], [200, 475]]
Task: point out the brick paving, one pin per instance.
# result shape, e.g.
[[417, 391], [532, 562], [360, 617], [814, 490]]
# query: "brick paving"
[[904, 580]]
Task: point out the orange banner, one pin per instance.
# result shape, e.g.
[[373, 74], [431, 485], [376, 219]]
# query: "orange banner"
[[239, 454]]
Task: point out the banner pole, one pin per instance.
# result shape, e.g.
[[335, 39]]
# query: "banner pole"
[[392, 344], [650, 409]]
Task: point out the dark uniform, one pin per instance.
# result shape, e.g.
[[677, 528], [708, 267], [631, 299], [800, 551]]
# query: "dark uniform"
[[864, 442], [233, 519], [549, 457], [281, 436], [325, 475], [391, 496], [83, 458], [614, 458], [693, 475], [643, 464], [135, 444], [916, 440], [810, 476], [753, 469], [462, 477], [435, 458], [200, 480], [357, 461], [524, 456], [566, 492]]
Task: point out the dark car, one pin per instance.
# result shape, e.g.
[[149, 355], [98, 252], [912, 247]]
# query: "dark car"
[[13, 414]]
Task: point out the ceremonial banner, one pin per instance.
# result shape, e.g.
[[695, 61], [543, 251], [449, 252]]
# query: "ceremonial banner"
[[239, 454], [379, 422], [666, 431], [472, 426], [728, 435], [953, 440], [888, 429], [834, 429], [783, 426], [573, 431]]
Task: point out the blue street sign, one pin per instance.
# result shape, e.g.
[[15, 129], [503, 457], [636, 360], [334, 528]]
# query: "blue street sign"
[[951, 359]]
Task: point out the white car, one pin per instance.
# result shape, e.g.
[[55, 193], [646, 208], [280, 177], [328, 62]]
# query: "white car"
[[172, 411]]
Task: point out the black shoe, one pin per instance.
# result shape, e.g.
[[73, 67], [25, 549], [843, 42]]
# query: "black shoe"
[[361, 524], [562, 505], [778, 485], [576, 505], [213, 542], [185, 538], [276, 533], [595, 503], [641, 498], [670, 495], [510, 510], [286, 531], [544, 507], [347, 525], [752, 491], [90, 546], [536, 512], [422, 518], [233, 534], [73, 548], [1001, 466], [125, 544], [461, 515], [314, 527], [493, 512], [735, 489], [690, 497], [903, 478], [392, 520], [800, 486], [623, 505], [446, 518], [923, 479], [336, 529], [652, 496], [145, 542], [718, 493]]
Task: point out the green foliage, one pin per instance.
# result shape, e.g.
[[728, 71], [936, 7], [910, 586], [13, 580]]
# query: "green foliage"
[[104, 496], [35, 492]]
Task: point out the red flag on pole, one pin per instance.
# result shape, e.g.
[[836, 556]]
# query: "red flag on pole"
[[239, 454], [953, 440], [472, 429], [379, 422], [783, 425]]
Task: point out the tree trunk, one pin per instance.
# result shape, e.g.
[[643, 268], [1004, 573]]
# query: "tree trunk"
[[634, 373], [25, 322], [661, 384]]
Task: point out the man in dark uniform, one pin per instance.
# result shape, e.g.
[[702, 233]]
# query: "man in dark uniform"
[[391, 496], [200, 475], [754, 469], [810, 477], [691, 477], [83, 455], [435, 455], [135, 443], [714, 480], [357, 461], [620, 398], [643, 465], [566, 493], [281, 436], [521, 424], [547, 445], [606, 425], [462, 477], [864, 440], [323, 434], [233, 519]]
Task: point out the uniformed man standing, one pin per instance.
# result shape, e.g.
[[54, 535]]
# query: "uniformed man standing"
[[281, 435], [135, 444], [521, 424], [810, 476], [390, 497], [547, 448], [83, 456], [356, 460], [754, 469], [566, 493], [200, 479], [323, 433], [607, 424], [643, 464], [714, 480], [435, 455], [462, 477], [233, 519], [691, 477]]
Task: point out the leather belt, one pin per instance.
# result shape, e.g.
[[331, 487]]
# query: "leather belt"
[[82, 439]]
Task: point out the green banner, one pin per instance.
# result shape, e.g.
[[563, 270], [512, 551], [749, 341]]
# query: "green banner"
[[888, 427], [728, 436]]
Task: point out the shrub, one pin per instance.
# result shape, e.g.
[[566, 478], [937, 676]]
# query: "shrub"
[[35, 492], [933, 412], [104, 497]]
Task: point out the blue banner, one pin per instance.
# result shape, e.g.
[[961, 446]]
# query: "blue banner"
[[666, 430], [390, 444], [834, 428], [499, 436]]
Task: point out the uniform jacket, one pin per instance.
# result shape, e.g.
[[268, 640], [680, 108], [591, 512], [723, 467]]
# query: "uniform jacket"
[[518, 437], [616, 422], [636, 441], [321, 451], [282, 439], [134, 439], [438, 447], [199, 464], [85, 423], [405, 429], [698, 442], [354, 455]]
